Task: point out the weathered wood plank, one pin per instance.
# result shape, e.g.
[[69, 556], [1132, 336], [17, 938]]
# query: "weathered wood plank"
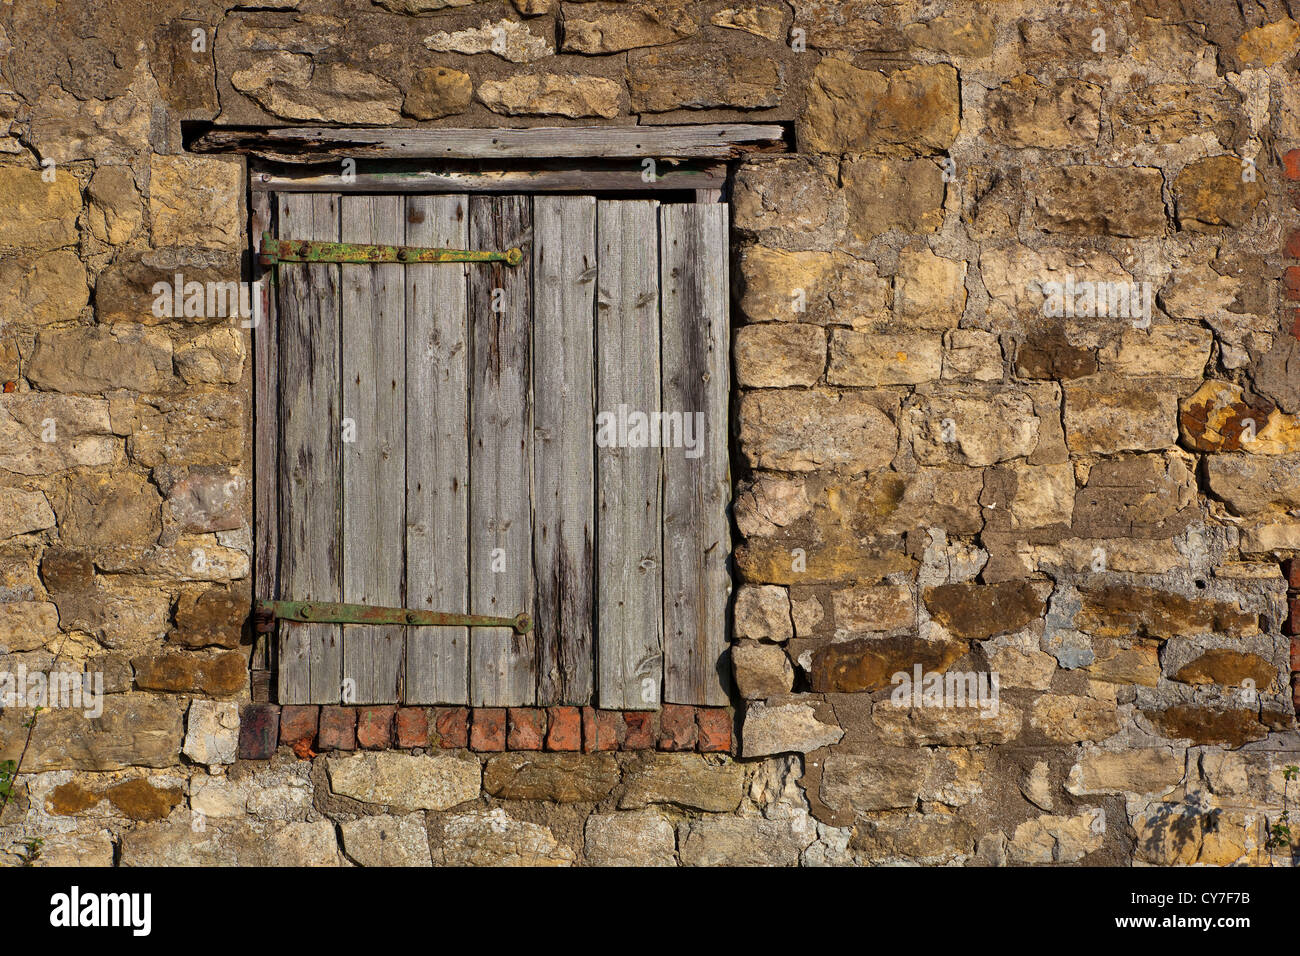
[[310, 476], [697, 542], [502, 663], [374, 446], [576, 176], [315, 144], [629, 552], [266, 443], [437, 451], [564, 291]]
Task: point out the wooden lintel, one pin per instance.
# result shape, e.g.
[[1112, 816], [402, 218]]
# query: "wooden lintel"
[[314, 144], [567, 177]]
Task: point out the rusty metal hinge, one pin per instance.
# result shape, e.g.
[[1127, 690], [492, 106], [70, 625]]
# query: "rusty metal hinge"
[[275, 251], [330, 612]]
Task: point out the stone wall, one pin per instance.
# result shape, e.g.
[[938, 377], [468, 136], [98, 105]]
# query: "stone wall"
[[939, 465]]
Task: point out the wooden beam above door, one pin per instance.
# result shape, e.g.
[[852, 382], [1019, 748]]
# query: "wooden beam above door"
[[306, 144], [549, 176]]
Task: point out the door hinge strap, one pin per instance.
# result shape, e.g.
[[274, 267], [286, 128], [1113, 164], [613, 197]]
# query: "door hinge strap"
[[328, 612], [275, 251]]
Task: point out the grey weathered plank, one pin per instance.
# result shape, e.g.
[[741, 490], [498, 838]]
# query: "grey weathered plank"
[[564, 292], [374, 445], [630, 596], [310, 476], [266, 444], [437, 452], [576, 175], [303, 144], [502, 663], [697, 543]]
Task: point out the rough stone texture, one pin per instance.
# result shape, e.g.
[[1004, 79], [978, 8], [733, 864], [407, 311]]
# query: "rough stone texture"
[[134, 731], [779, 354], [854, 110], [702, 77], [1136, 771], [812, 430], [558, 777], [1106, 414], [763, 613], [1023, 112], [630, 839], [550, 94], [685, 780], [1055, 839], [761, 670], [387, 841], [177, 842], [980, 611], [739, 841], [406, 781], [604, 27], [855, 666], [436, 92], [212, 732], [493, 838], [1212, 194], [785, 726]]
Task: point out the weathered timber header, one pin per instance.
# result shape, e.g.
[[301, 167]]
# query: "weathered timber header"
[[475, 176], [307, 144]]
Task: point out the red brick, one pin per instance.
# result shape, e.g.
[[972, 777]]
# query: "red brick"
[[1291, 570], [714, 724], [1291, 281], [677, 727], [298, 725], [338, 728], [527, 730], [451, 724], [411, 727], [1295, 323], [563, 728], [609, 727], [1295, 691], [1291, 164], [375, 727], [258, 727], [1292, 247], [487, 729], [1292, 625], [1295, 654], [600, 729], [639, 730]]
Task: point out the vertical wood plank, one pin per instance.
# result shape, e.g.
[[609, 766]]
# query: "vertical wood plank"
[[437, 452], [266, 443], [630, 596], [502, 662], [374, 446], [310, 475], [564, 290], [697, 543]]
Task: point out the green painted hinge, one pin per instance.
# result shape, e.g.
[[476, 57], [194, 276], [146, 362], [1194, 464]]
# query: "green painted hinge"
[[330, 612], [275, 251]]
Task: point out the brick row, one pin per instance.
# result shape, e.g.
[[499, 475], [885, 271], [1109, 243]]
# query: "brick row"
[[308, 729]]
